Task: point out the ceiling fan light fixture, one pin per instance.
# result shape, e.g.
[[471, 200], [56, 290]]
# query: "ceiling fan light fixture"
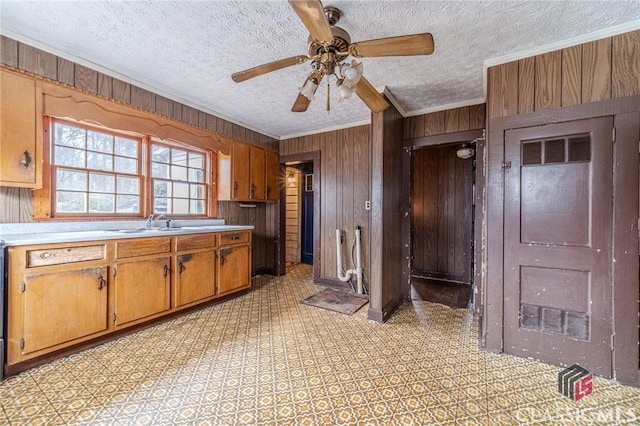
[[308, 90], [344, 90], [351, 73]]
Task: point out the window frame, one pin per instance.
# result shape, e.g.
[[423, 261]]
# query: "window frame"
[[207, 171], [145, 143]]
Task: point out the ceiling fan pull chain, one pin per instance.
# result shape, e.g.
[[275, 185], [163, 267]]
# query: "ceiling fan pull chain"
[[328, 96]]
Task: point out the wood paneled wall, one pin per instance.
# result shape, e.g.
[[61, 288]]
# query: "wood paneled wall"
[[16, 204], [388, 190], [449, 121], [344, 188], [442, 208], [292, 208], [603, 69]]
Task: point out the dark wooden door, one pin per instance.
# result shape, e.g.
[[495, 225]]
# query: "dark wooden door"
[[558, 224], [306, 255]]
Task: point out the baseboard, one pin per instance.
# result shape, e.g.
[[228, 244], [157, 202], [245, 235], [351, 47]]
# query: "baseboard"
[[1, 359], [263, 271], [386, 312], [331, 282]]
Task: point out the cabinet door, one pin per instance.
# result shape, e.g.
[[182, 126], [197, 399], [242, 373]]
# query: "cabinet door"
[[234, 268], [60, 307], [240, 171], [257, 174], [272, 166], [141, 289], [195, 277], [20, 131]]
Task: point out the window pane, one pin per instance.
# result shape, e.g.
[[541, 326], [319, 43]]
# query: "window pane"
[[160, 170], [69, 136], [197, 206], [179, 157], [162, 188], [197, 191], [97, 161], [99, 182], [128, 204], [69, 157], [72, 180], [99, 142], [127, 147], [196, 160], [178, 173], [71, 202], [180, 206], [101, 203], [128, 185], [162, 205], [160, 153], [126, 165], [181, 190], [196, 175]]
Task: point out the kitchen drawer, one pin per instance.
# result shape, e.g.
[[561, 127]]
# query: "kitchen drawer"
[[58, 256], [197, 241], [142, 247], [237, 237]]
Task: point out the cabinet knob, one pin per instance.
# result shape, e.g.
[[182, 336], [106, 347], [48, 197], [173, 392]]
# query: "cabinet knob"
[[27, 159], [166, 270], [235, 188], [181, 267]]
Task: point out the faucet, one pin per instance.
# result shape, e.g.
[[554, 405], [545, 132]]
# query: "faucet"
[[153, 219]]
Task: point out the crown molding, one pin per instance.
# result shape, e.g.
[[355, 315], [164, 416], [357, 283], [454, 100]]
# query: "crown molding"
[[454, 105], [325, 130]]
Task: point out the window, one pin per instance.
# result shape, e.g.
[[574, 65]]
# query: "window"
[[98, 172], [95, 172], [178, 178]]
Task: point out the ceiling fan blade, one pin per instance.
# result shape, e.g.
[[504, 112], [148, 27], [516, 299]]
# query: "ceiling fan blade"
[[312, 16], [302, 102], [266, 68], [415, 44], [370, 96]]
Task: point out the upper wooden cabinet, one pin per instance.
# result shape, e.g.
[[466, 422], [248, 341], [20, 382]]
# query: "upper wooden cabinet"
[[240, 171], [20, 130], [250, 173], [272, 169]]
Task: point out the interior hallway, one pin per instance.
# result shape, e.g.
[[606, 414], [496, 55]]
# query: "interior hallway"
[[264, 358]]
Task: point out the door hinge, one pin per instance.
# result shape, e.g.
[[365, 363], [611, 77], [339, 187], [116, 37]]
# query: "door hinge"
[[22, 344], [506, 165], [23, 287], [114, 317], [612, 342], [115, 272], [613, 135]]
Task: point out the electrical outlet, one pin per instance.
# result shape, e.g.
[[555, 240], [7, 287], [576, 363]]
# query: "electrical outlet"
[[367, 205]]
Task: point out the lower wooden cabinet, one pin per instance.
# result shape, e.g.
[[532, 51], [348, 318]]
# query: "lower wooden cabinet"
[[59, 295], [63, 306], [234, 262], [195, 277], [142, 289]]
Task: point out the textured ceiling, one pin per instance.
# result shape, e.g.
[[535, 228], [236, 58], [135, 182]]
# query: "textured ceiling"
[[187, 50]]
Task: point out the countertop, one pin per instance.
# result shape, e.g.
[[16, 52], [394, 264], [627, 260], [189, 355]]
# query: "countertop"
[[28, 234]]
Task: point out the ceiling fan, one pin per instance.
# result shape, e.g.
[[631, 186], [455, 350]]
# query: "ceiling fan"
[[329, 46]]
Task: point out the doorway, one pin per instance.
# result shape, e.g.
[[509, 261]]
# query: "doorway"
[[442, 223]]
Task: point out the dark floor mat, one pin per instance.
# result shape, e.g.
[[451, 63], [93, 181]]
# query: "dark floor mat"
[[337, 300]]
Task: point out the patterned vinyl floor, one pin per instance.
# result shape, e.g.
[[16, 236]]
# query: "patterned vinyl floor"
[[267, 359]]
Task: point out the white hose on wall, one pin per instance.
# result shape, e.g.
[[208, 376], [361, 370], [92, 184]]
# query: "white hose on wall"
[[346, 275]]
